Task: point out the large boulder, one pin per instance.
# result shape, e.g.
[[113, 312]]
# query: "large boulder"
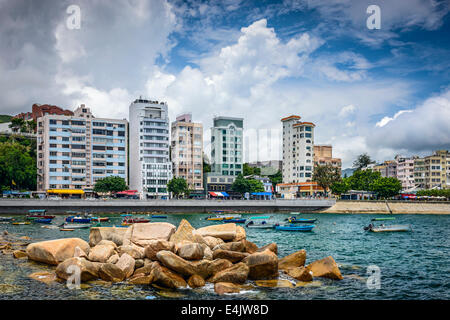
[[183, 232], [141, 279], [326, 268], [79, 253], [55, 251], [271, 246], [107, 243], [142, 234], [191, 251], [231, 246], [207, 252], [294, 260], [110, 272], [196, 281], [249, 246], [126, 263], [226, 231], [207, 268], [300, 273], [240, 234], [226, 287], [101, 253], [133, 250], [211, 242], [154, 246], [113, 259], [146, 270], [167, 278], [263, 265], [113, 234], [175, 263], [233, 256], [89, 270], [238, 273]]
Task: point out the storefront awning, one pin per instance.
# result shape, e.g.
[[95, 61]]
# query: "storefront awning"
[[219, 194], [127, 192], [261, 193], [65, 191]]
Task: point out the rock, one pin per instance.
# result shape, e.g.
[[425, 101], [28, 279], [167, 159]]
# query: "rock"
[[19, 254], [233, 256], [240, 234], [226, 287], [183, 232], [126, 263], [113, 234], [146, 270], [89, 270], [207, 252], [218, 265], [274, 283], [139, 263], [133, 250], [195, 281], [5, 233], [211, 242], [271, 246], [153, 247], [79, 253], [141, 279], [308, 284], [143, 234], [167, 278], [300, 273], [226, 231], [110, 272], [249, 246], [326, 268], [101, 253], [263, 265], [44, 276], [294, 260], [231, 246], [175, 263], [107, 243], [113, 259], [191, 251], [238, 273], [55, 251]]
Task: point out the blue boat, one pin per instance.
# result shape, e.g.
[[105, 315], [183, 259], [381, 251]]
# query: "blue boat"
[[293, 227], [234, 221], [78, 219], [261, 217], [126, 215], [300, 220], [48, 221], [160, 217], [37, 211]]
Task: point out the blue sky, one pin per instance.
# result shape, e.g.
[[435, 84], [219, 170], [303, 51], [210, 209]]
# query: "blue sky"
[[384, 92]]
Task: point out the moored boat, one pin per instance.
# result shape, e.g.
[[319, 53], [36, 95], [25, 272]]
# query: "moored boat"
[[154, 216], [223, 217], [129, 221], [75, 226], [260, 224], [382, 219], [6, 219], [20, 223], [78, 219], [100, 219], [300, 220], [391, 228], [293, 227], [235, 220], [38, 214], [47, 221]]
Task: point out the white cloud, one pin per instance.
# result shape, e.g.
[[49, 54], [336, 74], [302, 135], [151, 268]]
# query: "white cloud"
[[386, 119]]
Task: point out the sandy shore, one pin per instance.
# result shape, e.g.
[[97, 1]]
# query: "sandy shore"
[[389, 207]]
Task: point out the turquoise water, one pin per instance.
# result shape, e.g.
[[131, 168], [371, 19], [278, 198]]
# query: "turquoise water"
[[414, 265]]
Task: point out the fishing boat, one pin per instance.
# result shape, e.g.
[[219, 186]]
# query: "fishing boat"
[[5, 219], [126, 215], [300, 220], [391, 228], [38, 214], [260, 224], [261, 217], [235, 220], [63, 229], [74, 226], [293, 227], [20, 223], [154, 216], [223, 217], [78, 219], [46, 221], [382, 219], [129, 221], [100, 219]]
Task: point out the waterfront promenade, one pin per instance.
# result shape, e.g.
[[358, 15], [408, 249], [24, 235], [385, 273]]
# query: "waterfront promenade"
[[21, 206]]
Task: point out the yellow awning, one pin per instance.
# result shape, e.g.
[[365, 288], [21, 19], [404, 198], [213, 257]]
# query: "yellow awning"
[[65, 191]]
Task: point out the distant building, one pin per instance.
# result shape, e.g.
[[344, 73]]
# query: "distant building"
[[187, 151], [298, 190], [73, 152], [298, 152], [433, 172], [150, 165], [269, 167], [323, 155], [40, 110], [405, 171]]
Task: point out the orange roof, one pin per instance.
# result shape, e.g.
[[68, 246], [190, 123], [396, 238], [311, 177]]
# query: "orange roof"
[[309, 123], [298, 184], [303, 123], [291, 117]]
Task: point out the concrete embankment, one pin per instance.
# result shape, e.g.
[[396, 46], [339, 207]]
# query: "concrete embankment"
[[16, 206], [394, 207]]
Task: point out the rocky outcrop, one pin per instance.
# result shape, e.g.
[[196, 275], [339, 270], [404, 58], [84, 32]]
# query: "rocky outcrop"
[[231, 246], [211, 242], [274, 283], [294, 260], [300, 273], [154, 246], [195, 281], [233, 256], [101, 253], [183, 232], [226, 231], [19, 254], [175, 263], [113, 259], [240, 234], [55, 251], [191, 251], [88, 270], [249, 246], [226, 287], [263, 265], [141, 279], [133, 250], [142, 234], [238, 273], [326, 268], [79, 253], [110, 272], [113, 234], [167, 278], [126, 264], [271, 246]]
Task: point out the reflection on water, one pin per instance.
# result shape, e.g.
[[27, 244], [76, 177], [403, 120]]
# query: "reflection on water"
[[414, 265]]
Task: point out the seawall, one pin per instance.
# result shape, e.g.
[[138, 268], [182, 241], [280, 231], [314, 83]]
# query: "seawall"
[[394, 207]]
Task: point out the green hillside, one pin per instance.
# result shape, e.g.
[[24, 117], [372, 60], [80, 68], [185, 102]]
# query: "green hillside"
[[5, 118]]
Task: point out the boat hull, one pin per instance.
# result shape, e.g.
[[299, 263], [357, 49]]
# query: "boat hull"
[[394, 228], [295, 228]]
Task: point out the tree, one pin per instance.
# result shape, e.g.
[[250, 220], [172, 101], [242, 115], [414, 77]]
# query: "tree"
[[326, 175], [276, 178], [17, 167], [110, 184], [247, 170], [16, 124], [255, 186], [362, 161], [362, 179], [206, 165], [240, 184], [339, 187], [178, 186], [386, 187]]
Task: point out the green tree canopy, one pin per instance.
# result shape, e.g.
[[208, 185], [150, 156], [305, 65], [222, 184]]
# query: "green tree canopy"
[[110, 184], [362, 179], [243, 185], [339, 187], [17, 167], [362, 161], [247, 170], [326, 175], [276, 178], [386, 187], [178, 186]]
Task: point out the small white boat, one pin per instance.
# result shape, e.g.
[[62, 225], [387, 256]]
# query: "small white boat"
[[75, 226], [391, 228]]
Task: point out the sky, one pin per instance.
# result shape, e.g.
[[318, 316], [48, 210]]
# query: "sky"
[[379, 91]]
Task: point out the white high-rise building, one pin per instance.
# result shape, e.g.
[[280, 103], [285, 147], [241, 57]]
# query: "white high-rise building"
[[298, 150], [150, 166]]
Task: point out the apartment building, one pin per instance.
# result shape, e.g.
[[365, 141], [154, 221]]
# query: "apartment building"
[[323, 155], [405, 171], [150, 166], [298, 150], [73, 152], [40, 110], [187, 151], [433, 172]]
